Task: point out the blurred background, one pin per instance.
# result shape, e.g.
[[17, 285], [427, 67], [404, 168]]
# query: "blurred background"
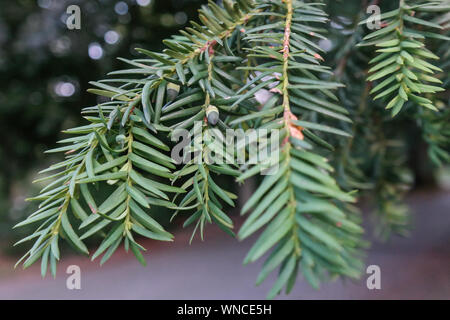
[[44, 73]]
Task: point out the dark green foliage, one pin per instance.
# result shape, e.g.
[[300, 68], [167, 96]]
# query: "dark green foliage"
[[402, 60], [38, 53], [329, 142]]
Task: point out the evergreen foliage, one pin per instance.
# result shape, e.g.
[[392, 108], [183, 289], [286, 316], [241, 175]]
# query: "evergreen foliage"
[[211, 73]]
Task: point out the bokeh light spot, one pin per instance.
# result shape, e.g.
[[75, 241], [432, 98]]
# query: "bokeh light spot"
[[95, 51], [121, 8], [111, 37], [143, 3], [64, 89]]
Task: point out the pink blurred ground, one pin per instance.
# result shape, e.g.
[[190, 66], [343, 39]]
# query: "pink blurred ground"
[[415, 268]]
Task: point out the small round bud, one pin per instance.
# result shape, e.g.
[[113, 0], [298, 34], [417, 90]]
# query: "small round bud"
[[172, 91], [121, 139], [212, 114]]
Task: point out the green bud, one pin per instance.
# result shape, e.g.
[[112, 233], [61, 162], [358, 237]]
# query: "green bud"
[[121, 139], [172, 91], [212, 114]]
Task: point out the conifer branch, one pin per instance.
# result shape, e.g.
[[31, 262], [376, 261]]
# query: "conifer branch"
[[204, 82], [401, 61], [282, 201]]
